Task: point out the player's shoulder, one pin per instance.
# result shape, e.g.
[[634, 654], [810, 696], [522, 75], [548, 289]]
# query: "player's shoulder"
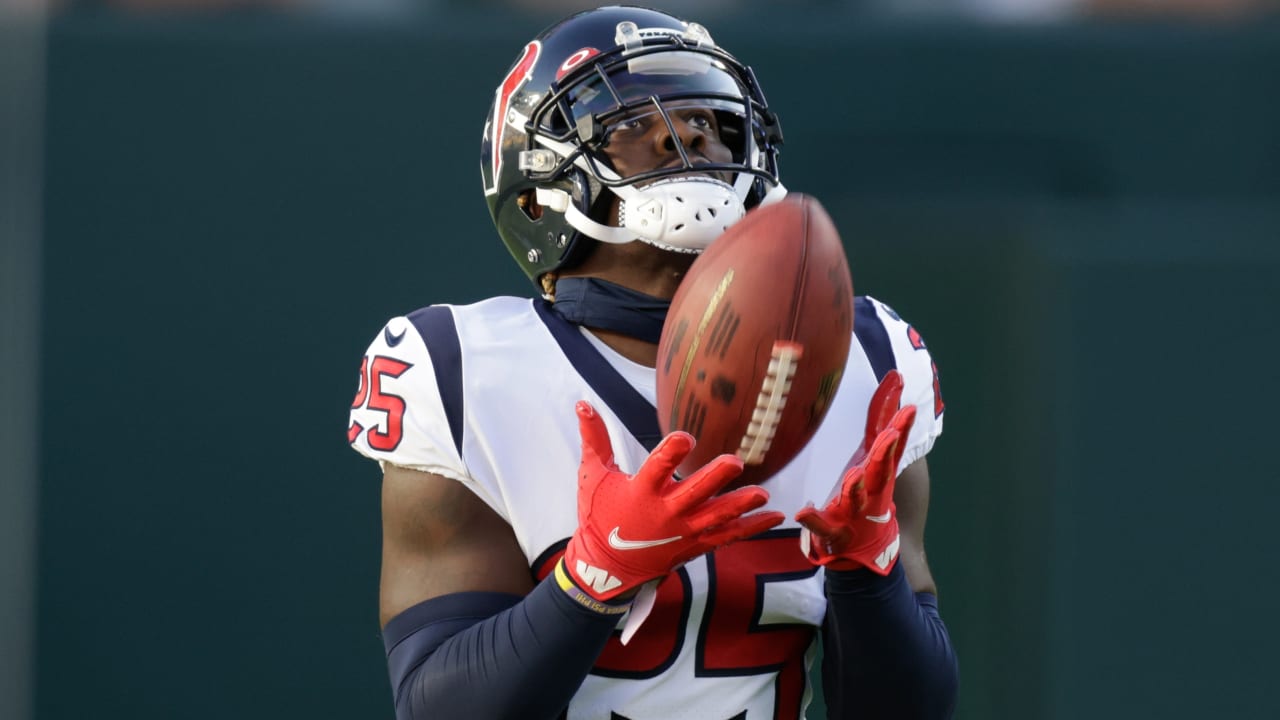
[[412, 380], [497, 310], [890, 342], [866, 306], [446, 324], [884, 336]]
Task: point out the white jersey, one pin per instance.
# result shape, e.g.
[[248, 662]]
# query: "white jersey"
[[484, 394]]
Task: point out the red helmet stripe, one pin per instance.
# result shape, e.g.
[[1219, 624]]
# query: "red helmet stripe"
[[518, 76]]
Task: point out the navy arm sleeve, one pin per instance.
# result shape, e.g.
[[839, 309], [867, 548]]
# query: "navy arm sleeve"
[[886, 651], [492, 655]]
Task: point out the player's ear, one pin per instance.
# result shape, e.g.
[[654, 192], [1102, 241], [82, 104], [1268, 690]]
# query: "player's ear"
[[527, 201]]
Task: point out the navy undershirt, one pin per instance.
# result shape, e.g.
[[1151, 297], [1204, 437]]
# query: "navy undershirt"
[[595, 303], [886, 651], [493, 655]]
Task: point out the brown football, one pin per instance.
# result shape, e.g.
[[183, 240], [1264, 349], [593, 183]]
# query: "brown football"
[[756, 339]]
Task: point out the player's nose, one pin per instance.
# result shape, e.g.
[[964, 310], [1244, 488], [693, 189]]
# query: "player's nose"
[[685, 133]]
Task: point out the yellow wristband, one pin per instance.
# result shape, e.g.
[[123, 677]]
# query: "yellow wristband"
[[576, 593]]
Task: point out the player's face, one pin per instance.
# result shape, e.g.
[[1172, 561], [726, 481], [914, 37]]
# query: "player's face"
[[646, 141]]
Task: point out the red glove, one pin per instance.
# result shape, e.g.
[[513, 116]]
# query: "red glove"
[[859, 526], [632, 529]]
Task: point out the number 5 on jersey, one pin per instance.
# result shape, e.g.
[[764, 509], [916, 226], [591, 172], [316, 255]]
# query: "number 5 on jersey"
[[371, 396]]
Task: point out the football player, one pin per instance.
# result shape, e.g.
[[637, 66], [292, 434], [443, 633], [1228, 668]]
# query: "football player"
[[539, 558]]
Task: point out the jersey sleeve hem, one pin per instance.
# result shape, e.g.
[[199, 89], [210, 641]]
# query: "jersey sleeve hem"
[[443, 471]]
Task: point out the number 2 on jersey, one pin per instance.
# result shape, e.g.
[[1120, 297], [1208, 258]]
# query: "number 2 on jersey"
[[371, 395]]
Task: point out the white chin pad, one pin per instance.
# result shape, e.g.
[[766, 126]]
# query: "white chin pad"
[[681, 214]]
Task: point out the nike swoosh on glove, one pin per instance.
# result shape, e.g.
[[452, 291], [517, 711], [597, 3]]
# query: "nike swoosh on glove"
[[859, 525], [635, 528]]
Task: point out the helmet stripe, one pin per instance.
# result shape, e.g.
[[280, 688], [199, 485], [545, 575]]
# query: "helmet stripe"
[[519, 75]]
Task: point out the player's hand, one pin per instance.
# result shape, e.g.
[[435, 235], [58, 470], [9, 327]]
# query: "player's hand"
[[859, 525], [632, 529]]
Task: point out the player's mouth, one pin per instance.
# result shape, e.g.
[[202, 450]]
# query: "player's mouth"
[[696, 159]]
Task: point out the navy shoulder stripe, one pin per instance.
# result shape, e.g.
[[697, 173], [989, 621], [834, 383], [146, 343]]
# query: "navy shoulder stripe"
[[873, 337], [637, 413], [436, 326]]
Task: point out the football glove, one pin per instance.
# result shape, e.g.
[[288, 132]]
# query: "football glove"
[[633, 529], [859, 525]]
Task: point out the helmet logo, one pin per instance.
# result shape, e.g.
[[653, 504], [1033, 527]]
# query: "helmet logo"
[[519, 75], [574, 60]]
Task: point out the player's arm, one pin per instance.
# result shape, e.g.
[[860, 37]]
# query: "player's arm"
[[439, 538], [462, 642], [467, 633], [887, 653], [912, 499]]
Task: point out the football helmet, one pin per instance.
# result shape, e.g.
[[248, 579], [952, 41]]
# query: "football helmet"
[[579, 86]]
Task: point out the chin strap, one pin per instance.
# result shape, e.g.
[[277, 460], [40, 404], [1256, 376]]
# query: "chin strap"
[[774, 195], [679, 214], [682, 214], [558, 201]]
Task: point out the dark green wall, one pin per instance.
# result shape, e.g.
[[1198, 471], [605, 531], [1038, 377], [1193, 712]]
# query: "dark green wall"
[[1083, 222]]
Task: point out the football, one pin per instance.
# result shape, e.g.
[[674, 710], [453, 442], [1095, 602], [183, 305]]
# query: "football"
[[755, 342]]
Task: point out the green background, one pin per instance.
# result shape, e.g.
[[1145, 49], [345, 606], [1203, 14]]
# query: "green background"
[[1083, 221]]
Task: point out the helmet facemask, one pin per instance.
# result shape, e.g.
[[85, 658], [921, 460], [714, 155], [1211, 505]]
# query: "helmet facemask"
[[603, 101], [558, 122]]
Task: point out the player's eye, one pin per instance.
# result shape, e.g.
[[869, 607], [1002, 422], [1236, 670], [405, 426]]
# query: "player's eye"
[[628, 125], [702, 120]]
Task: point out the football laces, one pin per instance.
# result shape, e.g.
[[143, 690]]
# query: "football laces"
[[770, 402]]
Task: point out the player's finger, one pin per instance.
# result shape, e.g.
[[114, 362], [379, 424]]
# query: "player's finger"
[[880, 415], [657, 469], [853, 488], [884, 403], [725, 507], [596, 447], [859, 456], [881, 457], [705, 482], [902, 422], [740, 528], [903, 419], [817, 523]]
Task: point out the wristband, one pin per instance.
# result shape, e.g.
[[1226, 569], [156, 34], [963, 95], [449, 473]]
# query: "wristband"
[[576, 594]]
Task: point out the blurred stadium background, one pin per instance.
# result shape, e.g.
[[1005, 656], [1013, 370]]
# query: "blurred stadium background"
[[208, 207]]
